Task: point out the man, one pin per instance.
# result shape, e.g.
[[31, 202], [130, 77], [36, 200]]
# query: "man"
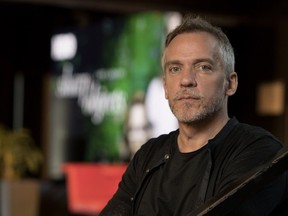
[[177, 173]]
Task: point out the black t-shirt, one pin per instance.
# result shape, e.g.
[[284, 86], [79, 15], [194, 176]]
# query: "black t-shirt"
[[173, 189]]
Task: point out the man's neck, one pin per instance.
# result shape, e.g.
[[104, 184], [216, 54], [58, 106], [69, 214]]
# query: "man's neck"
[[196, 135]]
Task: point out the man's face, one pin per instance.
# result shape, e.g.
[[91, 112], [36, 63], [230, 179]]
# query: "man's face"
[[194, 79]]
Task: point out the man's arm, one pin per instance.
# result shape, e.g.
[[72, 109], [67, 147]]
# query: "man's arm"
[[264, 191], [121, 203]]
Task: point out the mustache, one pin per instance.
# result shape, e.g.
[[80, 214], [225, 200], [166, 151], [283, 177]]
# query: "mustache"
[[184, 94]]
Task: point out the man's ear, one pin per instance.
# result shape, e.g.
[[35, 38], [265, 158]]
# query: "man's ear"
[[232, 84]]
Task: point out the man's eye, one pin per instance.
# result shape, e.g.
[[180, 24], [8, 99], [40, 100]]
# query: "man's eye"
[[174, 69], [205, 68]]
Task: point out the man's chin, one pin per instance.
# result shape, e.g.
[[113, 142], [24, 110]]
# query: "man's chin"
[[194, 118]]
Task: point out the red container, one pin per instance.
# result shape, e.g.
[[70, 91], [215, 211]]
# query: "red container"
[[91, 185]]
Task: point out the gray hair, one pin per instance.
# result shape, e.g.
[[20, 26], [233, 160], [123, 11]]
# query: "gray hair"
[[191, 23]]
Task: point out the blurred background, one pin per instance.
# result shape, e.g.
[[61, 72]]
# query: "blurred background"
[[82, 77]]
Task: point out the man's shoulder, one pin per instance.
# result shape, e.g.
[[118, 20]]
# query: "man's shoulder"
[[253, 131], [244, 135], [158, 146], [154, 150]]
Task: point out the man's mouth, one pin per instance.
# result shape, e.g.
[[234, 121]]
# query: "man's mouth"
[[187, 97]]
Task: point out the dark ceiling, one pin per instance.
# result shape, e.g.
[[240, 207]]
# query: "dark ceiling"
[[223, 7]]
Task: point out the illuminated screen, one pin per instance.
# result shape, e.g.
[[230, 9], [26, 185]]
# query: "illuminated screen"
[[106, 92]]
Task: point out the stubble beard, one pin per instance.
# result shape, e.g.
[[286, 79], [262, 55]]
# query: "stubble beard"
[[191, 112]]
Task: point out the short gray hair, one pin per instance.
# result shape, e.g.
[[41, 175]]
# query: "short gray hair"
[[192, 23]]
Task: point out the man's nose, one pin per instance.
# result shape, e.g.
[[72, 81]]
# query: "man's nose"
[[188, 78]]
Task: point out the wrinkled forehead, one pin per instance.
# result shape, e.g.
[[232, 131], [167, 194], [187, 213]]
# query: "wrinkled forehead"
[[196, 43]]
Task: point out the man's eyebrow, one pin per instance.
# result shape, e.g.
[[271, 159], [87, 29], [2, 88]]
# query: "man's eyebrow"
[[172, 62], [209, 60], [196, 61]]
